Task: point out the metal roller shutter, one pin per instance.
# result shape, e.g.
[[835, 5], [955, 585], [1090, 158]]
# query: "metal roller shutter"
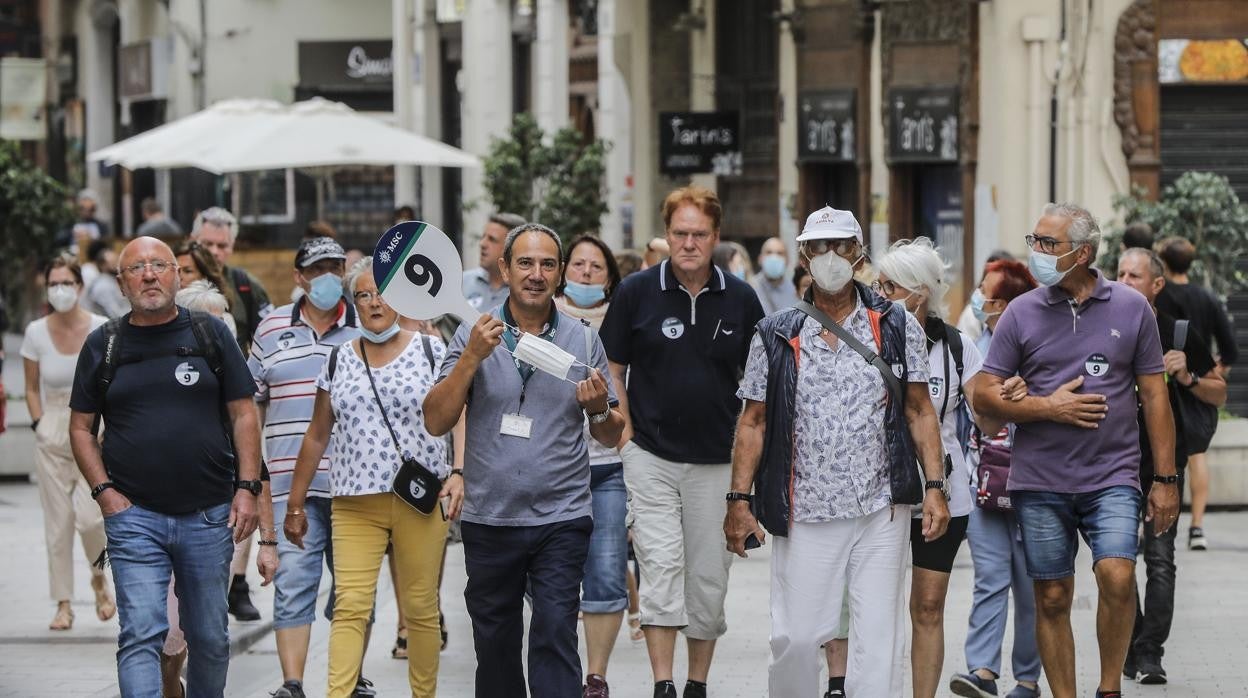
[[1205, 128]]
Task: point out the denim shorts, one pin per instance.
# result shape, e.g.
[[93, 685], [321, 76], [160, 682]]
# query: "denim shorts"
[[1107, 519], [604, 589]]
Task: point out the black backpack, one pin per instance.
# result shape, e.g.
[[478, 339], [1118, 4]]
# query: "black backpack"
[[207, 346]]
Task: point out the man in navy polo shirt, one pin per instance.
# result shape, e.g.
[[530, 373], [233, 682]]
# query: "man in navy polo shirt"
[[1089, 351], [680, 331]]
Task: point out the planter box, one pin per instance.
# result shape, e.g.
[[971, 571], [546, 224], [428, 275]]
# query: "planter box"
[[1228, 464]]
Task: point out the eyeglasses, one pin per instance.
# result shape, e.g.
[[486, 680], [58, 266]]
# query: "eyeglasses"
[[62, 284], [159, 267], [682, 236], [1047, 245], [843, 246], [366, 297], [888, 287]]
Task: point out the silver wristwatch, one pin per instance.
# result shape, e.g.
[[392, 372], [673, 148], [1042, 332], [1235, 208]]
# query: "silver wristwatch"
[[600, 417]]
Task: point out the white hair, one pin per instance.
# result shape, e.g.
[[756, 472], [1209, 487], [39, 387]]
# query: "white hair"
[[1083, 228], [216, 216], [354, 273], [202, 295], [919, 266]]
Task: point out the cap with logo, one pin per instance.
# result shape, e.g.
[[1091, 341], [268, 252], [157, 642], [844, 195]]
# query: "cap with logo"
[[830, 224], [314, 250]]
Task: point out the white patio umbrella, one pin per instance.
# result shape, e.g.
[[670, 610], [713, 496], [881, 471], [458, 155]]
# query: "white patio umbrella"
[[246, 135]]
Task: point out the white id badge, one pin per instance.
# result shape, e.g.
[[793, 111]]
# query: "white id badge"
[[516, 425]]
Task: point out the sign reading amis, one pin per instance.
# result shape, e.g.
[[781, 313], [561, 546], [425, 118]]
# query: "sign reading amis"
[[699, 142], [924, 124], [825, 122]]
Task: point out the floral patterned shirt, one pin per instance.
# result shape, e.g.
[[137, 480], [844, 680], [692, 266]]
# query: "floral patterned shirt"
[[841, 459], [365, 460]]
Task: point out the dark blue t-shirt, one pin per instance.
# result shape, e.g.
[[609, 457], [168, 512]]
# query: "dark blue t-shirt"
[[166, 445], [685, 356]]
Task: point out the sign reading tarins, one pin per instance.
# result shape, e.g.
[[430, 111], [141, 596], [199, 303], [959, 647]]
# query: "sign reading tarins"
[[700, 142], [923, 125], [825, 122]]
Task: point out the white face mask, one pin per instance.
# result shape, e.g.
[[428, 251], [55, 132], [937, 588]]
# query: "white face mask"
[[831, 271], [62, 298], [544, 356]]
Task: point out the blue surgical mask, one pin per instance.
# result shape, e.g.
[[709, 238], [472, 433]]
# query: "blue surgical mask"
[[325, 291], [739, 273], [1044, 267], [584, 295], [380, 337], [773, 266], [977, 306]]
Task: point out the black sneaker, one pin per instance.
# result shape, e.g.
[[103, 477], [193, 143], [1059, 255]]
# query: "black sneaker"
[[834, 693], [665, 689], [290, 689], [972, 686], [1196, 539], [695, 689], [1129, 666], [363, 689], [1149, 671], [1108, 694]]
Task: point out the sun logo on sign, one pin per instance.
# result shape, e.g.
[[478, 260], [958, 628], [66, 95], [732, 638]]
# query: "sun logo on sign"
[[384, 256]]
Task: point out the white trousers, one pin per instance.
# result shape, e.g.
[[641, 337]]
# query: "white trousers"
[[66, 501], [809, 571]]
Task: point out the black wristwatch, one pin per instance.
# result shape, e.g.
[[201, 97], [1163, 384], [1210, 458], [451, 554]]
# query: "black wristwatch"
[[1166, 479], [252, 486], [34, 424], [739, 497], [1195, 380], [99, 489], [942, 485], [456, 471]]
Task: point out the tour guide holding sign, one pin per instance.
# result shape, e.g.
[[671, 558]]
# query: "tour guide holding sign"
[[527, 516]]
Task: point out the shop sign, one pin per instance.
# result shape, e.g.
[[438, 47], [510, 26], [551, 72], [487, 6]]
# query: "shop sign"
[[826, 126], [331, 65], [1187, 60], [924, 124], [23, 84], [700, 143]]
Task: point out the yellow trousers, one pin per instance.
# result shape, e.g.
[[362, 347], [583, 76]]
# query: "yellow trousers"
[[362, 528]]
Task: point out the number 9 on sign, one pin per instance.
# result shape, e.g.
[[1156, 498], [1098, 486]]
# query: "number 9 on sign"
[[418, 271]]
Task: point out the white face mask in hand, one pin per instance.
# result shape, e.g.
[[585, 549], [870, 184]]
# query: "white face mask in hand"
[[544, 356]]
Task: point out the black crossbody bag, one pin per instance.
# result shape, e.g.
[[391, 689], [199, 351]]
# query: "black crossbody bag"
[[415, 484]]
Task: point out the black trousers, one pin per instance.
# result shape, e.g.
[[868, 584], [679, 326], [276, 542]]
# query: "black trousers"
[[503, 562], [1155, 615]]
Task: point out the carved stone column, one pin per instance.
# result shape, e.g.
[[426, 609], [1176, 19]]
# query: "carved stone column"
[[1137, 94]]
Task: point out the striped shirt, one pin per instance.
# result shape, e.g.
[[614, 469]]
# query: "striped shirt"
[[286, 357]]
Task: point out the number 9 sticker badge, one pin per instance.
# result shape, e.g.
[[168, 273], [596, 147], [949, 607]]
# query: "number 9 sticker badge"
[[1097, 365], [419, 273]]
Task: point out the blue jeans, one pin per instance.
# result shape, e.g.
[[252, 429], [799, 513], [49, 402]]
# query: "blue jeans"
[[144, 548], [502, 561], [1107, 519], [1000, 569], [605, 587]]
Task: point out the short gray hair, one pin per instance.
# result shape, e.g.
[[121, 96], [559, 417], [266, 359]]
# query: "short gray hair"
[[202, 295], [1155, 267], [918, 265], [216, 216], [530, 228], [507, 220], [1083, 228], [353, 275]]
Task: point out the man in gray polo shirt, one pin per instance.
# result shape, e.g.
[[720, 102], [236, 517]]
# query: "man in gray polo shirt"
[[1088, 349], [527, 516]]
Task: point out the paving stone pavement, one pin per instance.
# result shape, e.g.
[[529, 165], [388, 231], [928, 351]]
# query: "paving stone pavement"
[[1205, 657]]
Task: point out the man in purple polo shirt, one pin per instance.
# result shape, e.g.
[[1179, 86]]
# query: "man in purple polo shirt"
[[1088, 349]]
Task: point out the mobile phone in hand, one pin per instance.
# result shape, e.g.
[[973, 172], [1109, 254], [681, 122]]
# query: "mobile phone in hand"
[[752, 542]]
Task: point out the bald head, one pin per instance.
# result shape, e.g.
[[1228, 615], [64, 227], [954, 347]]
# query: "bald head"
[[148, 279]]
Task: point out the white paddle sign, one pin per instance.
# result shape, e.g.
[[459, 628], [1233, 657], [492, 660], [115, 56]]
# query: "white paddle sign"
[[419, 273]]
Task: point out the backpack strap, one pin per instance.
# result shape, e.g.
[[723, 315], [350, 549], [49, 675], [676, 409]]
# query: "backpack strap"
[[424, 342], [206, 338], [953, 341], [107, 369], [332, 366]]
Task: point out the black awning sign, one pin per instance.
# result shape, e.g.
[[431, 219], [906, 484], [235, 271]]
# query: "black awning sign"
[[826, 126], [924, 124], [699, 142]]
